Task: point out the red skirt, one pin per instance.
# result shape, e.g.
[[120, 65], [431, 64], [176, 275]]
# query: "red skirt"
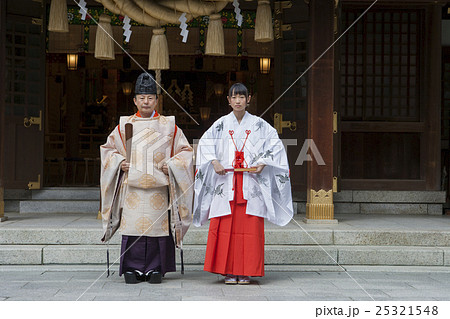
[[236, 242]]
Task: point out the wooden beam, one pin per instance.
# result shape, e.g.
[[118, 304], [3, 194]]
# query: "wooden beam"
[[408, 127]]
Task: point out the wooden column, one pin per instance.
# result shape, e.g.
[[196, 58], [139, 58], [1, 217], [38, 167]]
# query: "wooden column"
[[433, 51], [319, 206], [2, 105]]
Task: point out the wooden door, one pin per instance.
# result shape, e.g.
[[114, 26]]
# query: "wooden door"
[[24, 68], [291, 61], [389, 120]]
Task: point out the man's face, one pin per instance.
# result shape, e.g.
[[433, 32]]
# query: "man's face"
[[145, 103]]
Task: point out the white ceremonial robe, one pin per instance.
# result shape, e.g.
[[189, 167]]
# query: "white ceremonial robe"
[[268, 194], [143, 195]]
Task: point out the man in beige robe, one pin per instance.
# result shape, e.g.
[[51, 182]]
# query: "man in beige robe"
[[137, 194]]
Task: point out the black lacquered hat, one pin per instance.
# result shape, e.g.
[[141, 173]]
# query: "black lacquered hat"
[[145, 84]]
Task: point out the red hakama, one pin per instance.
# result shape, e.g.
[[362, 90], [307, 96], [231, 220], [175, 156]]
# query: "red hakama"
[[236, 242]]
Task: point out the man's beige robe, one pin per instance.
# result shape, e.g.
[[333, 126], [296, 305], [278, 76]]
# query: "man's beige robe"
[[143, 196]]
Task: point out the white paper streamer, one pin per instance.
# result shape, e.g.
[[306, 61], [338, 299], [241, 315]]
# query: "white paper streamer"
[[183, 26], [83, 9], [127, 26], [237, 10]]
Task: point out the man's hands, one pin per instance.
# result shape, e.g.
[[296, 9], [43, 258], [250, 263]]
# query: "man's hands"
[[218, 167], [165, 169], [125, 166]]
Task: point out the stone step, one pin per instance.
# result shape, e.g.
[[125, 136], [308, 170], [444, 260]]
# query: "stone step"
[[59, 206], [383, 202], [381, 196], [86, 200], [273, 236], [54, 193], [53, 200], [66, 193], [274, 255]]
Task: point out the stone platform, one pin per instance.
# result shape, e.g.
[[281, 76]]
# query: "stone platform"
[[358, 239], [86, 200]]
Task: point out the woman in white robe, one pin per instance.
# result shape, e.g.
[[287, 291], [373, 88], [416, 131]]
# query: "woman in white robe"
[[237, 201]]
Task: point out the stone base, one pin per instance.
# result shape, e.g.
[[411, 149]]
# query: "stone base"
[[320, 221], [4, 218]]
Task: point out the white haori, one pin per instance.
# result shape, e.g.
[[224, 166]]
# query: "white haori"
[[268, 194]]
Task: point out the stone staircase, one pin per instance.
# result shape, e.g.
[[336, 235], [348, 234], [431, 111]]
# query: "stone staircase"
[[356, 240], [53, 200], [40, 234]]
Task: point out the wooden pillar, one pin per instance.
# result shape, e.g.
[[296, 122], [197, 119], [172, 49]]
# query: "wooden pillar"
[[2, 207], [433, 50], [2, 105], [319, 206]]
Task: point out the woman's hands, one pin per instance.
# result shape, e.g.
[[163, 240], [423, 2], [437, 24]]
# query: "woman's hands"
[[259, 168], [221, 171], [218, 167]]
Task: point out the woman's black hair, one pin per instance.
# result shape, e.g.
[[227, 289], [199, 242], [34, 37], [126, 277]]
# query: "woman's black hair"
[[238, 89]]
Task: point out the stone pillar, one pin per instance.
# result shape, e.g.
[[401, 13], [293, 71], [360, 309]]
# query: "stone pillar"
[[319, 206]]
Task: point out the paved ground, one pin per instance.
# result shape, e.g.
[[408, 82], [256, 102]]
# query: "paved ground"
[[71, 283]]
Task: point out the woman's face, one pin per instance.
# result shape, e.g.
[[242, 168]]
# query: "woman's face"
[[238, 102]]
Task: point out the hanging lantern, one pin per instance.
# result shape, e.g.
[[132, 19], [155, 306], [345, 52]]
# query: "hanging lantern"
[[205, 112], [263, 23], [158, 58], [58, 21], [127, 88], [218, 89], [215, 44], [264, 65], [72, 61], [104, 44]]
